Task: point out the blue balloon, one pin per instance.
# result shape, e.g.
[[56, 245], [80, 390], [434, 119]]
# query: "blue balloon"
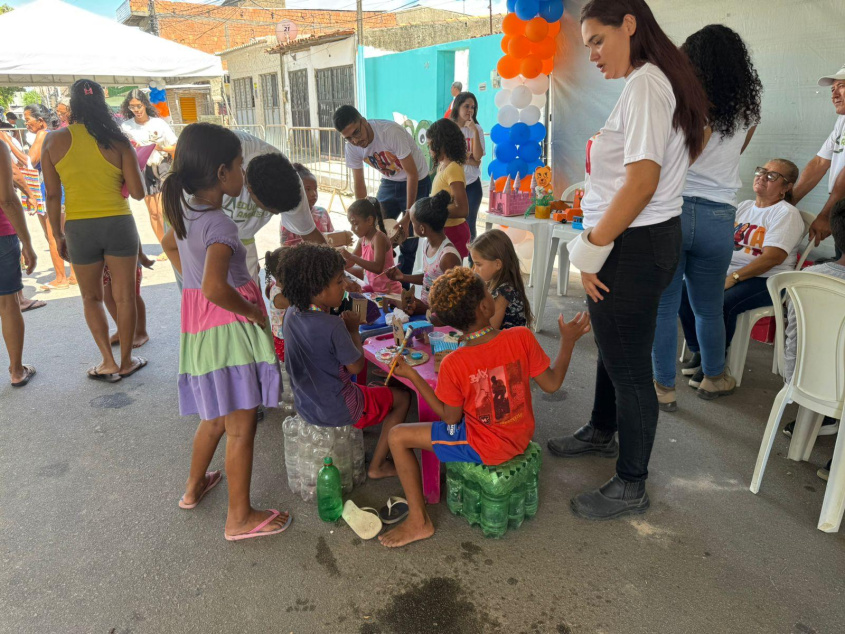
[[520, 133], [538, 163], [518, 166], [499, 134], [511, 6], [530, 152], [497, 169], [551, 10], [537, 132], [506, 152], [526, 9]]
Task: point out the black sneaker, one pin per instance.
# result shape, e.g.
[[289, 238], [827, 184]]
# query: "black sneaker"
[[829, 427], [695, 381], [584, 442], [787, 431], [615, 498], [259, 414], [824, 472], [692, 366]]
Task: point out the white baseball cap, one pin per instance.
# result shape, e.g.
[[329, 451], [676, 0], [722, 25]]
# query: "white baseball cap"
[[829, 80]]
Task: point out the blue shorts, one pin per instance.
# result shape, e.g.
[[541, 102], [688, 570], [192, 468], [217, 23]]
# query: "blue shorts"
[[11, 278], [450, 443]]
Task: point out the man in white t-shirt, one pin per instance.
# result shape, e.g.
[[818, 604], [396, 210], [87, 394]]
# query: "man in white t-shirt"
[[387, 147], [831, 158], [251, 217]]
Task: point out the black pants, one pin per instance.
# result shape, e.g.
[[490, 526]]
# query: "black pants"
[[640, 267]]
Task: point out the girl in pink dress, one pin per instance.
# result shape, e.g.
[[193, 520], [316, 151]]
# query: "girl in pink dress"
[[373, 254]]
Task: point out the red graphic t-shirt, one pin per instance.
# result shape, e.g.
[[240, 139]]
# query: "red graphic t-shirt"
[[492, 383]]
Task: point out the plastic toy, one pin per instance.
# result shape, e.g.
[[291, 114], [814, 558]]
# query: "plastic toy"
[[543, 193], [509, 201]]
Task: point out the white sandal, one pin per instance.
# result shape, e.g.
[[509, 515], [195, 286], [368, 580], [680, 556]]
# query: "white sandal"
[[364, 521]]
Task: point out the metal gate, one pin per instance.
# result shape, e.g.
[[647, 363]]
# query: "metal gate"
[[244, 101], [335, 88], [300, 109], [270, 99]]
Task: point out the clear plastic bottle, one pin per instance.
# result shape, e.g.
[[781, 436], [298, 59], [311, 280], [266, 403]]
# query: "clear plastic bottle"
[[329, 497], [494, 514], [342, 452], [307, 466], [291, 431], [359, 471]]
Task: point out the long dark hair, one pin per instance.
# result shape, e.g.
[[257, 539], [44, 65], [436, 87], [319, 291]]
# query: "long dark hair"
[[433, 210], [445, 137], [88, 106], [202, 149], [459, 101], [650, 44], [496, 245], [141, 96], [369, 207], [722, 63]]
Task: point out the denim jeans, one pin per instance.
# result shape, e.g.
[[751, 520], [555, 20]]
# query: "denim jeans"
[[640, 267], [393, 196], [745, 295], [474, 195], [707, 228]]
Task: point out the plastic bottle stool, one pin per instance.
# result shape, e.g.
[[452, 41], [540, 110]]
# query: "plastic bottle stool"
[[499, 497]]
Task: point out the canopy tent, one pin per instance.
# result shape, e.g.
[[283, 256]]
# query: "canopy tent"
[[48, 42]]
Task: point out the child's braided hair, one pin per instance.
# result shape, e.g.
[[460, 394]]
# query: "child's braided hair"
[[305, 270], [455, 297]]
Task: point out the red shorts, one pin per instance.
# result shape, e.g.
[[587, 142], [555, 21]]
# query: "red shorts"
[[139, 275], [280, 347], [378, 401]]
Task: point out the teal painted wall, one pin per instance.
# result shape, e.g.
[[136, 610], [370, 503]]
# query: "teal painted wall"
[[417, 83]]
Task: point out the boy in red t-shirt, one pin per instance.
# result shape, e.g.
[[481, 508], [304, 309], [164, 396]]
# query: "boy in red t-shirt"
[[483, 392]]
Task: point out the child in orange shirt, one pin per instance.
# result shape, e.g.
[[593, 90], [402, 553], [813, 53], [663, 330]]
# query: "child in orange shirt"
[[483, 392]]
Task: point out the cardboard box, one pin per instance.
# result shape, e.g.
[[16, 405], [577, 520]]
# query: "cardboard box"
[[340, 238]]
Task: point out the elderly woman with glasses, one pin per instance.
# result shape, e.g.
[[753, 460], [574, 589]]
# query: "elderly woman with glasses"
[[767, 233]]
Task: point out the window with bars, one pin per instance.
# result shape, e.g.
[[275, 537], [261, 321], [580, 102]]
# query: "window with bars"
[[243, 93], [270, 90]]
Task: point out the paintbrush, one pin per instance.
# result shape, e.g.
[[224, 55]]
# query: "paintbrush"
[[399, 354]]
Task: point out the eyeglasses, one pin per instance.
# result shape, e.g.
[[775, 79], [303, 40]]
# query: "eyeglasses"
[[357, 133], [770, 176], [137, 108]]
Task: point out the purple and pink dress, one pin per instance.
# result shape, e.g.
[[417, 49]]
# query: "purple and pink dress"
[[226, 363]]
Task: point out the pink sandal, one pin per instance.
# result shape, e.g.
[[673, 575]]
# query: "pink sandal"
[[256, 532], [212, 479]]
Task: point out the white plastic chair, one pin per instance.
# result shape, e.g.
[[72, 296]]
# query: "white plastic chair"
[[745, 322], [562, 253], [818, 382]]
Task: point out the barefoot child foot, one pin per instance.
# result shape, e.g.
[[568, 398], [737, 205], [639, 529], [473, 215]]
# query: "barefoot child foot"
[[411, 530]]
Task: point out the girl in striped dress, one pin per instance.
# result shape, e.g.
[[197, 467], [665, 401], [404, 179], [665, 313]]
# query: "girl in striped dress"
[[227, 364]]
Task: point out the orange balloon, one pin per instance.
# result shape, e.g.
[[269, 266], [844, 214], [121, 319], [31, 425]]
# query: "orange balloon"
[[554, 28], [500, 183], [519, 46], [530, 67], [163, 109], [512, 25], [536, 29], [548, 66], [544, 48], [508, 67], [525, 184], [506, 39]]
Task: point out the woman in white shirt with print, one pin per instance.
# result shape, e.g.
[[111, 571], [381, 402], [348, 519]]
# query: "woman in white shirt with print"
[[733, 89], [768, 232], [629, 250], [464, 111]]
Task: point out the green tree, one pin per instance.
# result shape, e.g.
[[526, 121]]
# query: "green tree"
[[4, 8], [31, 97]]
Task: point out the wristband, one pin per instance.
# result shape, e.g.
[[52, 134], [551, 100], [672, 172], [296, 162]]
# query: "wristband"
[[586, 256]]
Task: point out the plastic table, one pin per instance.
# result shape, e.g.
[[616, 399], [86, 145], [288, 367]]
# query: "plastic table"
[[430, 462], [559, 234]]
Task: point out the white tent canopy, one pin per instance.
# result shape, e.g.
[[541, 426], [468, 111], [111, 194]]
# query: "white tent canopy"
[[48, 42]]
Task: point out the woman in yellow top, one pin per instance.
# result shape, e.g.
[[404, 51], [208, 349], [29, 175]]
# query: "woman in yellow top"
[[449, 150], [93, 160]]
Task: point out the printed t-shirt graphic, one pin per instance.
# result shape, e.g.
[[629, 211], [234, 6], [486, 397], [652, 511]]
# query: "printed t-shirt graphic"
[[491, 383], [384, 162], [391, 144], [779, 225]]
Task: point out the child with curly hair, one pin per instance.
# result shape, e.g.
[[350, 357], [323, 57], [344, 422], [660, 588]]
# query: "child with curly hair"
[[323, 352], [483, 393], [448, 149], [495, 261]]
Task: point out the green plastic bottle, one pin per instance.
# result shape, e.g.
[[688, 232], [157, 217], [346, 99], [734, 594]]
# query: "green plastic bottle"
[[329, 492]]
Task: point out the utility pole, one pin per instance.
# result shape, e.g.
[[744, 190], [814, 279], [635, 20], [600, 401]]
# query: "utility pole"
[[153, 17], [490, 8], [360, 23]]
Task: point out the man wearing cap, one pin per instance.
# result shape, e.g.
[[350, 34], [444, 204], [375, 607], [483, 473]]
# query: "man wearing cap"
[[831, 158]]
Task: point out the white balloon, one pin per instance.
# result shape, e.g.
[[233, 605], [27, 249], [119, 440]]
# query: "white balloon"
[[539, 100], [513, 82], [529, 115], [153, 84], [520, 97], [503, 98], [508, 115], [539, 84]]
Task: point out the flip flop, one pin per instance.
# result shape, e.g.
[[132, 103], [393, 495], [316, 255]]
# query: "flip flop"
[[114, 377], [395, 511], [55, 287], [256, 532], [142, 362], [34, 305], [364, 520], [30, 372], [212, 479]]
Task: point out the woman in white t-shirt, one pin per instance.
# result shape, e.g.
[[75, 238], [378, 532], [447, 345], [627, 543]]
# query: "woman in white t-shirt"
[[463, 112], [766, 238], [733, 89], [143, 126], [627, 255]]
